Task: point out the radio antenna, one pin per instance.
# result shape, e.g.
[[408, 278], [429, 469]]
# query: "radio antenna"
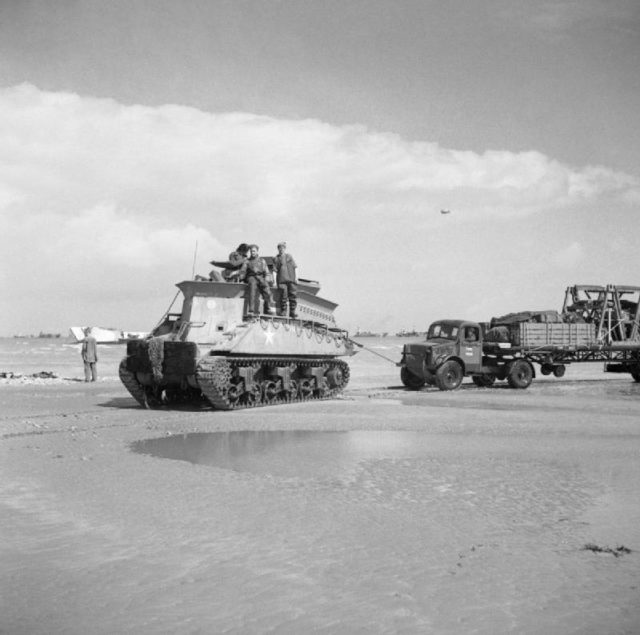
[[195, 253]]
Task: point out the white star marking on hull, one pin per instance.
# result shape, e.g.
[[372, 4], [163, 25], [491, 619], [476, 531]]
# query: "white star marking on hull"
[[268, 336]]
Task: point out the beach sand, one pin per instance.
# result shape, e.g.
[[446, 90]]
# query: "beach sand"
[[405, 512]]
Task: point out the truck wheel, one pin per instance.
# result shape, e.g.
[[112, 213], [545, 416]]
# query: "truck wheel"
[[546, 369], [483, 381], [636, 375], [520, 374], [410, 380], [449, 375], [559, 371]]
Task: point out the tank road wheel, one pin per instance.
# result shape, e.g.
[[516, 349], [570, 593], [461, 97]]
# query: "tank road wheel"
[[270, 391], [252, 397], [234, 392], [410, 380], [520, 374], [306, 388], [483, 381], [559, 371], [449, 375]]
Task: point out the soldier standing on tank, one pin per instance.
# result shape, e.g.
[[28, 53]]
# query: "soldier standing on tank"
[[286, 280], [90, 356], [255, 273]]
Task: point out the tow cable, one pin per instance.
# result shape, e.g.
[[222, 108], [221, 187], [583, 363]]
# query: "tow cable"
[[374, 352]]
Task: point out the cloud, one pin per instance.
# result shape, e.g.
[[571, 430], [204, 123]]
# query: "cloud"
[[119, 241], [100, 251], [570, 256], [98, 198], [560, 17], [63, 153]]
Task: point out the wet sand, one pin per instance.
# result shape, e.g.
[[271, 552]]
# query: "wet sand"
[[430, 512]]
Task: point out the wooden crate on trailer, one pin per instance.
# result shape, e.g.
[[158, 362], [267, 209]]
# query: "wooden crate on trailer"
[[557, 335]]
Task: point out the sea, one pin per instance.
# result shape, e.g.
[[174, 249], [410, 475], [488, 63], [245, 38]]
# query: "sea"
[[374, 364], [27, 356]]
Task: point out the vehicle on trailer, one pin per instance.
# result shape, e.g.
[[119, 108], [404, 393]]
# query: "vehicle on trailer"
[[213, 352], [597, 324]]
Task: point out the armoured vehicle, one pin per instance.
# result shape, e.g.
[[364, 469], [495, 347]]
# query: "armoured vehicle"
[[213, 352], [597, 324]]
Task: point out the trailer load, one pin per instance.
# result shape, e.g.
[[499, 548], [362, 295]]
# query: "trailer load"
[[596, 324]]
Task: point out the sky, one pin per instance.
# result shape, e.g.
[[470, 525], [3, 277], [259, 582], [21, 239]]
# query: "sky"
[[140, 139]]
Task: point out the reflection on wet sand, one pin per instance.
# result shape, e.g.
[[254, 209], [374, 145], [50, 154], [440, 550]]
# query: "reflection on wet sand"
[[297, 453]]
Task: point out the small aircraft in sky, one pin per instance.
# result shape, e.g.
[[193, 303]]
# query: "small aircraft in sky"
[[445, 211]]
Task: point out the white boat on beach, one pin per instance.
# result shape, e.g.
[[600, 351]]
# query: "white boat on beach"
[[107, 335]]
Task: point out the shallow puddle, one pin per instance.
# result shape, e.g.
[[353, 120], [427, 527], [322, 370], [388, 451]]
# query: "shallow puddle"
[[298, 453]]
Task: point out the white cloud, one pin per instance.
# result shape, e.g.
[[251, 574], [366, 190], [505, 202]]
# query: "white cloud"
[[120, 194], [558, 17], [570, 256], [100, 252], [62, 153], [117, 240]]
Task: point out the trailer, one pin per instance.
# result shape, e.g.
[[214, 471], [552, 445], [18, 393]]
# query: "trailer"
[[596, 324]]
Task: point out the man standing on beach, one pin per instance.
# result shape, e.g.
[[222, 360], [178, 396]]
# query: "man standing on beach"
[[90, 356]]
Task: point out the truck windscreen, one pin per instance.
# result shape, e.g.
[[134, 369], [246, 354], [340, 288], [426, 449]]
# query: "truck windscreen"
[[444, 331]]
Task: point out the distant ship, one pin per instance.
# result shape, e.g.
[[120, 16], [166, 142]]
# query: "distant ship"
[[41, 335], [107, 335], [360, 333]]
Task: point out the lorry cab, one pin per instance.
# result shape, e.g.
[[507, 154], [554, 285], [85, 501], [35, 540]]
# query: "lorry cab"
[[453, 348], [457, 339]]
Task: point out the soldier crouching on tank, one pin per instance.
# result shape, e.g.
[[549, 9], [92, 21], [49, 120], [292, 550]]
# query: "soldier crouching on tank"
[[255, 273], [285, 267], [232, 266]]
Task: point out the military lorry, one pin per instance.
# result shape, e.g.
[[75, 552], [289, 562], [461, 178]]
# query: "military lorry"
[[212, 352], [596, 324]]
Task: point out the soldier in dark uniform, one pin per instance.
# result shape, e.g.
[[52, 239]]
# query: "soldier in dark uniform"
[[255, 273], [285, 267]]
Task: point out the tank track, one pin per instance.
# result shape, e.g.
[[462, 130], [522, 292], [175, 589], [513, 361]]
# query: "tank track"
[[223, 380], [131, 383]]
